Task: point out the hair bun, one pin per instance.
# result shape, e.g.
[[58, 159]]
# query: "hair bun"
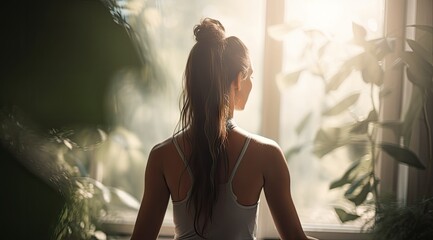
[[210, 31]]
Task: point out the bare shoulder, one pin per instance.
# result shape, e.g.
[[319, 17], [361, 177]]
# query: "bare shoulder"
[[264, 147], [263, 141], [267, 155], [162, 150], [163, 146]]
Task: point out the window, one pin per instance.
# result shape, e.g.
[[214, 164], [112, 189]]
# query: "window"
[[303, 102], [389, 18]]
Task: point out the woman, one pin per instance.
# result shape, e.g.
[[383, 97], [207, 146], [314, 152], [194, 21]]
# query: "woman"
[[213, 170]]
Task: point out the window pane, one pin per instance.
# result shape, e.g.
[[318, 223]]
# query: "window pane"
[[303, 104]]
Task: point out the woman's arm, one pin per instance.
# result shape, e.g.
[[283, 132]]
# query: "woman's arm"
[[154, 202], [277, 192]]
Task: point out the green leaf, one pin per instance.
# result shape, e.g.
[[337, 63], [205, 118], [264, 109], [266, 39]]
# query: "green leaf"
[[356, 184], [344, 216], [418, 79], [361, 196], [345, 179], [338, 79], [420, 51], [303, 123], [416, 62], [288, 80], [426, 40], [360, 149], [342, 105], [372, 72], [402, 154], [419, 71], [328, 139], [372, 116], [338, 183], [355, 62], [426, 28]]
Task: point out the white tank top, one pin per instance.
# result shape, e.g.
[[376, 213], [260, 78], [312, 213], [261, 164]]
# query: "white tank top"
[[231, 220]]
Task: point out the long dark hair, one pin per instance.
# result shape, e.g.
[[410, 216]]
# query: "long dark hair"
[[213, 63]]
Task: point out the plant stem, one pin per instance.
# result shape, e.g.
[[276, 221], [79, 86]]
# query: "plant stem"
[[373, 155], [429, 144], [372, 97], [373, 172]]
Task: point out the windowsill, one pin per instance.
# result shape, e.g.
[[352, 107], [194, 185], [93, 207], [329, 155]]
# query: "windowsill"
[[322, 231], [330, 232], [334, 232]]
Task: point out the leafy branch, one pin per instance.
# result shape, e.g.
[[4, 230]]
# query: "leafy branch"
[[360, 180]]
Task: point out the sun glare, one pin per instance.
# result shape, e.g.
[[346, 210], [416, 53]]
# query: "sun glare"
[[334, 17], [324, 15]]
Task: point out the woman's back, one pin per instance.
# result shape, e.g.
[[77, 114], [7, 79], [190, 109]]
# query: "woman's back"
[[248, 180], [236, 208]]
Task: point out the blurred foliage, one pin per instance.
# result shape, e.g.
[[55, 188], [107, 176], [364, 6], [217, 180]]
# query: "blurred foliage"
[[397, 222], [359, 181], [58, 159], [83, 209], [90, 201], [59, 59]]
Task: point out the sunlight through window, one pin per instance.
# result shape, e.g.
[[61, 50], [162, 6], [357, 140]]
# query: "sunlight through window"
[[317, 46]]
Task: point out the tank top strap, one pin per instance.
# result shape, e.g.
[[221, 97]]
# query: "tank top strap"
[[241, 155], [182, 156]]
